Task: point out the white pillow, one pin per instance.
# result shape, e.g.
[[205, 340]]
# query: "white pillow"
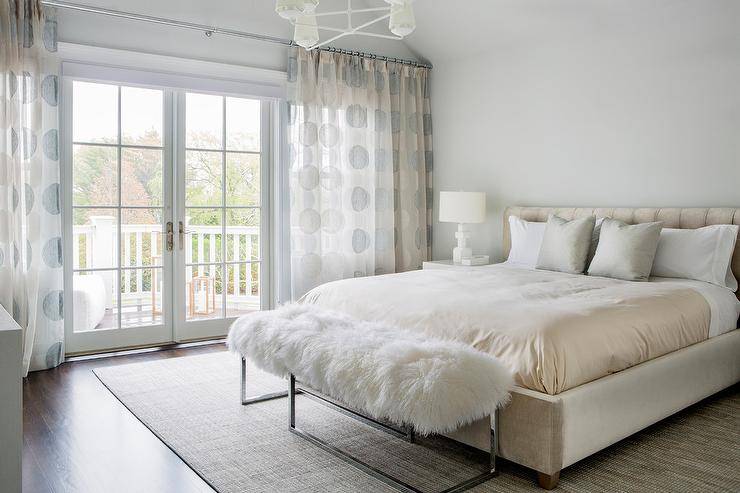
[[526, 240], [703, 254], [566, 244]]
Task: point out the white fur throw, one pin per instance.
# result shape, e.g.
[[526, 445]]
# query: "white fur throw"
[[386, 372]]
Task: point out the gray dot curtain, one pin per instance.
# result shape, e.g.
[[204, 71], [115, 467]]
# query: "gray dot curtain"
[[31, 277], [360, 160]]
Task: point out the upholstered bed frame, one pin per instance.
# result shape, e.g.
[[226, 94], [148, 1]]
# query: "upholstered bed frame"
[[686, 218], [550, 432]]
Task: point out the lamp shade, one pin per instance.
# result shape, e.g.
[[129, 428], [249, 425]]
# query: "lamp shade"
[[306, 32], [291, 9], [462, 207], [402, 22]]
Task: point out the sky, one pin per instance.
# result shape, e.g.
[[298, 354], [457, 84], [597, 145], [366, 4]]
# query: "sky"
[[95, 115]]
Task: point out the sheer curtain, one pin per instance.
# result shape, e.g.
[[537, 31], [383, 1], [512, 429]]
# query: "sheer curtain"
[[360, 160], [30, 212]]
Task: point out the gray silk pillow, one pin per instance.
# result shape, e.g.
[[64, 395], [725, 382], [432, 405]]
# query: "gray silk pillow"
[[565, 244], [625, 251]]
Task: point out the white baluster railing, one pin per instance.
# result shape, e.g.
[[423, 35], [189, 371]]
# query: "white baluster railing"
[[136, 238]]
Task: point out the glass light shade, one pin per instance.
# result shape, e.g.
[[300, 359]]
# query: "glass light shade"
[[289, 9], [309, 6], [462, 207], [398, 2], [402, 21], [306, 32], [292, 9]]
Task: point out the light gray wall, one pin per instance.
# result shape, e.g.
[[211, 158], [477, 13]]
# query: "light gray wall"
[[633, 112], [256, 16]]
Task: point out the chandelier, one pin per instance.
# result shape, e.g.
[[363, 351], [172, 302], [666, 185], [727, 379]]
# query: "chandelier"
[[303, 16]]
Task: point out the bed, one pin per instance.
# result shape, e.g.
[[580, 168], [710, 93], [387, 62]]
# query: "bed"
[[595, 359]]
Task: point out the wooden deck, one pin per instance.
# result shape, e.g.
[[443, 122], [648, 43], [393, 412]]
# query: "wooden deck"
[[144, 316]]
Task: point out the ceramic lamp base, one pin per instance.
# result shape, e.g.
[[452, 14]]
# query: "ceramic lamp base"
[[462, 250], [460, 253]]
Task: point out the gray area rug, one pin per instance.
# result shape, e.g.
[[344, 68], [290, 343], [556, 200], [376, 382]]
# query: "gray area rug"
[[192, 404]]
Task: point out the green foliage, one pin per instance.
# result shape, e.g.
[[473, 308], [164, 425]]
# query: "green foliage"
[[96, 181]]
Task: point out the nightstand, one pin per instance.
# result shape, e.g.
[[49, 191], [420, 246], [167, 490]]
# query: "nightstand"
[[446, 264]]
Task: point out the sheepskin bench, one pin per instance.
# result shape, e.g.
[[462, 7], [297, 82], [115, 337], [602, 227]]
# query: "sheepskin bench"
[[390, 374]]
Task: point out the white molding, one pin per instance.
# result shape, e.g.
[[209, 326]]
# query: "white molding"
[[168, 70]]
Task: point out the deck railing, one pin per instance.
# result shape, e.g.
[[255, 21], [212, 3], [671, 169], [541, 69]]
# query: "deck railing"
[[94, 246]]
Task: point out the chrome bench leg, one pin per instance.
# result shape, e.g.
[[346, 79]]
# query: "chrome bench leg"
[[257, 398], [494, 441], [397, 484]]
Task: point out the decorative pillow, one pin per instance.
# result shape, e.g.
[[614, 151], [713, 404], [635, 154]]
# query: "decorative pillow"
[[703, 254], [594, 240], [625, 251], [526, 239], [566, 244]]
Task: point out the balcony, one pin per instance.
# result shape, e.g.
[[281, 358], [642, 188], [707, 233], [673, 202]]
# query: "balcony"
[[140, 278]]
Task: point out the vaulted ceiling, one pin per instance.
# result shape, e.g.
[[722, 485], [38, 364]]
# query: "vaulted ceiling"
[[256, 16], [446, 30], [450, 30]]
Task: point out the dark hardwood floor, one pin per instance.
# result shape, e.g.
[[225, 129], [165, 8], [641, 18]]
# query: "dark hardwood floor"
[[77, 437]]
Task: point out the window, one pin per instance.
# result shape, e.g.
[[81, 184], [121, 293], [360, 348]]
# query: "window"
[[117, 204], [223, 204], [166, 204]]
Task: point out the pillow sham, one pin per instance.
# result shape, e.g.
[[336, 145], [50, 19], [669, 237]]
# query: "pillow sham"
[[594, 240], [526, 239], [565, 244], [625, 251], [703, 254]]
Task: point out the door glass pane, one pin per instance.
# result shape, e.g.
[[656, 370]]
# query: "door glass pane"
[[94, 238], [94, 112], [242, 124], [141, 177], [203, 292], [95, 300], [203, 121], [242, 179], [203, 239], [142, 237], [140, 304], [141, 116], [94, 175], [243, 295], [242, 234], [203, 178], [118, 208]]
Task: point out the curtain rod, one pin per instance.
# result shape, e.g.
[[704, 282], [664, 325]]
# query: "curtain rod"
[[211, 30]]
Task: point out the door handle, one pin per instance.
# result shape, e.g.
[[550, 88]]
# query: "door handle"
[[170, 236], [181, 234]]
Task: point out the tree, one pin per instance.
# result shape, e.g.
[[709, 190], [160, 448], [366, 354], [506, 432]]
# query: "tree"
[[96, 180]]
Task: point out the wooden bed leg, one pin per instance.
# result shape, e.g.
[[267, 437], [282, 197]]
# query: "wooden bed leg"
[[548, 481]]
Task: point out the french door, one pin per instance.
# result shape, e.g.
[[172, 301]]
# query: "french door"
[[165, 218], [222, 224]]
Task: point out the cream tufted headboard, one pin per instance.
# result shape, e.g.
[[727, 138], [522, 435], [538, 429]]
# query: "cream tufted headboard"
[[689, 218]]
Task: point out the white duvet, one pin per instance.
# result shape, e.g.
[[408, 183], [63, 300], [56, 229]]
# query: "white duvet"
[[555, 331]]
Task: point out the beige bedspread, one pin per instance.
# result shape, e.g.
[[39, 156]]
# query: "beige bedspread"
[[555, 331]]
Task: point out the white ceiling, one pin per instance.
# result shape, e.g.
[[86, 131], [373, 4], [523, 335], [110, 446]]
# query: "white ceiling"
[[256, 16], [446, 30], [454, 29]]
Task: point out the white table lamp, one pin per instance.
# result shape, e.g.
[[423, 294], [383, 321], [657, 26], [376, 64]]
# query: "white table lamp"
[[462, 208]]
